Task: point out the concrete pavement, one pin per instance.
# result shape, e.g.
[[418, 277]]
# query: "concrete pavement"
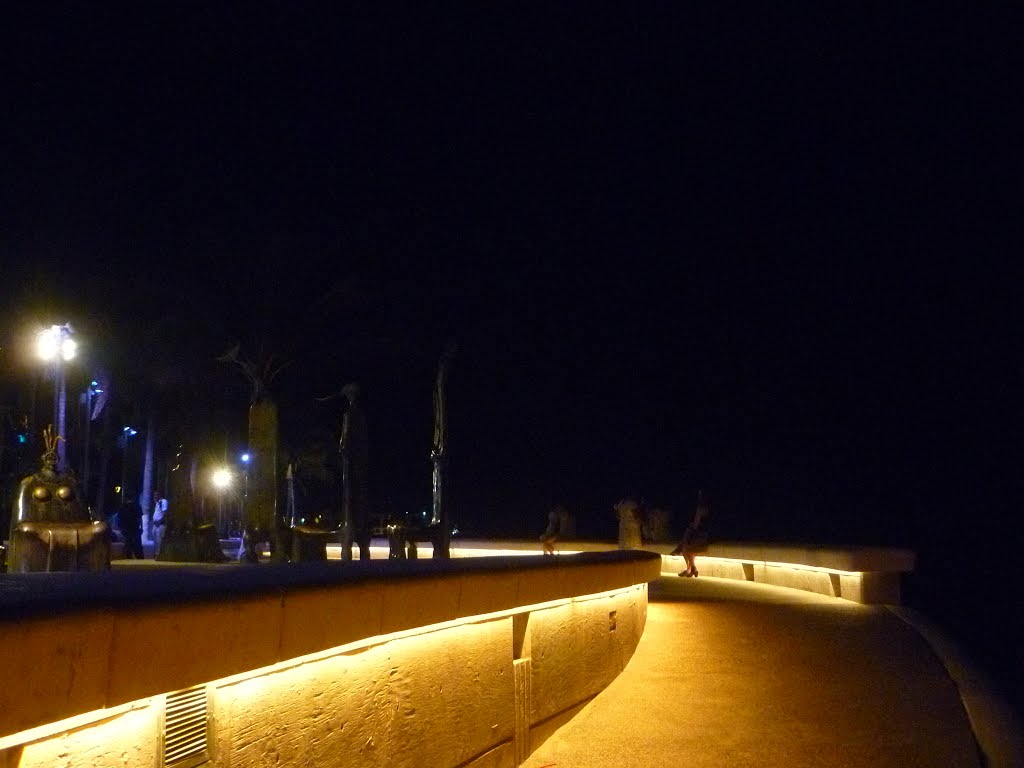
[[739, 674]]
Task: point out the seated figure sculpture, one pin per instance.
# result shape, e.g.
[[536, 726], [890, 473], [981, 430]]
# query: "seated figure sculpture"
[[51, 528]]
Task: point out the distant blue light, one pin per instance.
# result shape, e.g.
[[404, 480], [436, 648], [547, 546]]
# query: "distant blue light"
[[95, 383], [22, 439], [245, 457]]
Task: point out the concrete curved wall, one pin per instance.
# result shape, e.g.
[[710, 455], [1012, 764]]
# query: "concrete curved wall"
[[860, 574], [433, 663]]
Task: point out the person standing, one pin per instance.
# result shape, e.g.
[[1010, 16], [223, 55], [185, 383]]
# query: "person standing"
[[695, 537], [159, 520], [550, 536], [129, 518]]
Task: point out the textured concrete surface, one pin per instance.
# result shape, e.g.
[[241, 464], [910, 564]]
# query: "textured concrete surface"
[[205, 623], [739, 674]]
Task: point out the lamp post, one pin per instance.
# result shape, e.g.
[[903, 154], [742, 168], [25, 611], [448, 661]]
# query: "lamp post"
[[92, 389], [221, 481], [439, 456], [55, 345], [125, 434], [245, 459]]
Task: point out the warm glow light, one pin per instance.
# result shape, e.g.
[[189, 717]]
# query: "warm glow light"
[[817, 568], [222, 478], [69, 724], [771, 563], [55, 341], [369, 642], [253, 676], [425, 551], [46, 343]]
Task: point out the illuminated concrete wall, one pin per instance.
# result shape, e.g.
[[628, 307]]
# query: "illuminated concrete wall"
[[479, 685], [860, 574]]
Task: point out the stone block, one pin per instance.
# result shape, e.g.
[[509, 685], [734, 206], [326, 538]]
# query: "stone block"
[[174, 646], [65, 673], [419, 602], [314, 620], [481, 593]]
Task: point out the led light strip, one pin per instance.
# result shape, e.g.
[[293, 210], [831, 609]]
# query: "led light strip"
[[775, 564], [369, 642], [71, 723]]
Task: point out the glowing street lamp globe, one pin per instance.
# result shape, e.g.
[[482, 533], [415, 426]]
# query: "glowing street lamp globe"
[[55, 343], [222, 478]]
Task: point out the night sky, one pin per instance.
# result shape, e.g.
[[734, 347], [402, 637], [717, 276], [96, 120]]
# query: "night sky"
[[766, 253]]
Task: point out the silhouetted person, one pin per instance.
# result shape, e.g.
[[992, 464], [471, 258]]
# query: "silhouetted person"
[[355, 477], [554, 529], [628, 512], [695, 538], [129, 519], [159, 520]]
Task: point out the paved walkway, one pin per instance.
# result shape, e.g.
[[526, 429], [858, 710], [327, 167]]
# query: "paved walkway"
[[736, 674]]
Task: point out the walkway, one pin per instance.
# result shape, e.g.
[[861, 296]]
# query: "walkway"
[[736, 674]]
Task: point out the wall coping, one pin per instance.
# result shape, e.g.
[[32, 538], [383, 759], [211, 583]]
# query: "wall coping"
[[47, 594], [839, 558], [861, 574]]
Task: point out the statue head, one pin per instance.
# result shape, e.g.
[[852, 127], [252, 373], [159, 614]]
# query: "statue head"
[[48, 495], [350, 391]]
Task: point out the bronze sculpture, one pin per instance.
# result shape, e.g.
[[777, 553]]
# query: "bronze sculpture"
[[187, 538], [439, 456], [260, 521], [51, 526], [353, 450]]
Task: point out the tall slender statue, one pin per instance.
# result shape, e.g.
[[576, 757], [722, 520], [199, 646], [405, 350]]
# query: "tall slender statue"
[[439, 455], [260, 521], [353, 449], [186, 537]]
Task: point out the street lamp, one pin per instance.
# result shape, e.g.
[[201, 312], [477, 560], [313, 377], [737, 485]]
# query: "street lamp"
[[90, 391], [245, 458], [125, 434], [55, 345], [222, 478]]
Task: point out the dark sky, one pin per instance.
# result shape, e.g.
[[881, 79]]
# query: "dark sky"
[[767, 250], [766, 253]]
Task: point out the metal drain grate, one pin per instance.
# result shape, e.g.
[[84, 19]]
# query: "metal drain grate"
[[185, 728]]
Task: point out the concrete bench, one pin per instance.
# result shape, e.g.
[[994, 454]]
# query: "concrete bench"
[[861, 574]]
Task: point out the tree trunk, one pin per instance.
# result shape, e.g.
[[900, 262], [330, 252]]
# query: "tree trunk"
[[146, 499], [261, 520]]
